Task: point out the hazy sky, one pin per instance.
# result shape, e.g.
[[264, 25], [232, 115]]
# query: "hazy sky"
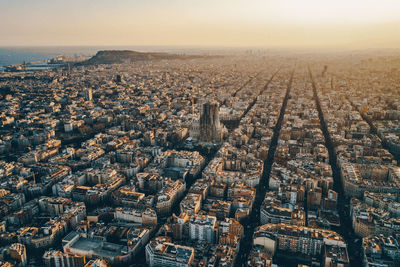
[[271, 23]]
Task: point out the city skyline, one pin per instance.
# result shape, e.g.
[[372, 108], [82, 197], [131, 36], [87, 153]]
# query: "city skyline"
[[192, 133]]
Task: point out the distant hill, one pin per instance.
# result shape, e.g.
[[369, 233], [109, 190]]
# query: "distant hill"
[[127, 56]]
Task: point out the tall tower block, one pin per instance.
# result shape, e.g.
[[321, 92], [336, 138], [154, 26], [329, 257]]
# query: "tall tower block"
[[210, 128]]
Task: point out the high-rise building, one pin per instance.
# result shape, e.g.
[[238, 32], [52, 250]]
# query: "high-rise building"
[[180, 227], [210, 127], [203, 227], [314, 197], [118, 78], [88, 94]]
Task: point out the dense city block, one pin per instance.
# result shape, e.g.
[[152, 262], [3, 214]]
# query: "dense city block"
[[251, 159]]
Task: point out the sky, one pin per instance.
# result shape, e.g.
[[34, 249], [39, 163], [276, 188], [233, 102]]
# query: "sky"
[[226, 23]]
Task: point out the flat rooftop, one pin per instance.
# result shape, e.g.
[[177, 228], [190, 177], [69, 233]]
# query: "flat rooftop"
[[99, 247]]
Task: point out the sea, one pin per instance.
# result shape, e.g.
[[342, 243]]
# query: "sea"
[[19, 55]]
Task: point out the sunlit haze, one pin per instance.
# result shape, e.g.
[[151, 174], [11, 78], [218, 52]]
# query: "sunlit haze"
[[197, 133], [229, 23]]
